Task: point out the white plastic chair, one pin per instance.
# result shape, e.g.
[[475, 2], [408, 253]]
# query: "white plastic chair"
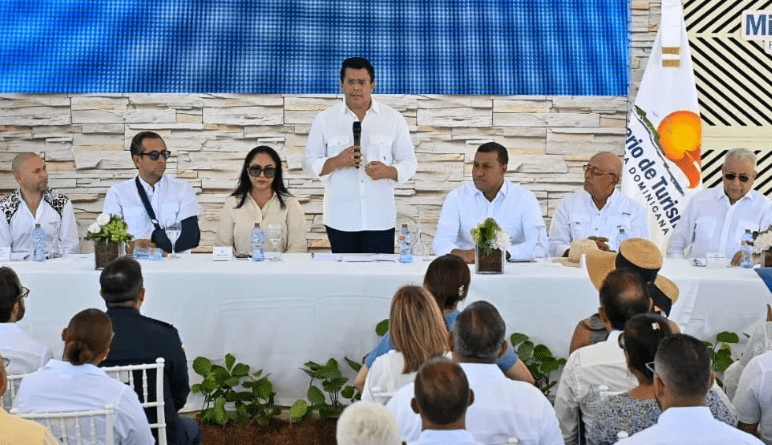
[[68, 426], [125, 374], [13, 388]]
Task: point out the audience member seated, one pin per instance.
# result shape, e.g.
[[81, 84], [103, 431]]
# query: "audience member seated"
[[367, 423], [418, 332], [753, 398], [502, 407], [640, 255], [34, 203], [26, 354], [152, 191], [139, 340], [261, 197], [18, 431], [442, 396], [682, 377], [447, 279], [77, 384], [637, 409], [759, 343], [622, 296]]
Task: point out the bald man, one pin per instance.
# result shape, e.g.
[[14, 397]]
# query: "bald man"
[[598, 211], [34, 203]]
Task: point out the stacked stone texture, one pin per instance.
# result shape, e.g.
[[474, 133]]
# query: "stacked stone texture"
[[84, 140]]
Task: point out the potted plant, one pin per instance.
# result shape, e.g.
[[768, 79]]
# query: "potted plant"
[[109, 234], [762, 244], [491, 244]]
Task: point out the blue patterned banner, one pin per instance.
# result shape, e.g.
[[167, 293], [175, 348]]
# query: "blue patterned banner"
[[499, 47]]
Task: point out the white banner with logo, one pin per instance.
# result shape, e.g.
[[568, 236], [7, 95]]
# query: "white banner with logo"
[[662, 147]]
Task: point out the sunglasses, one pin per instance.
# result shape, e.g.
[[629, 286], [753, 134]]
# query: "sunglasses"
[[24, 292], [154, 155], [255, 171], [732, 176]]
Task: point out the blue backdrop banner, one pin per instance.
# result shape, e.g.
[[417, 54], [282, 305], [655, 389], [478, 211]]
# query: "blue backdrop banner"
[[498, 47]]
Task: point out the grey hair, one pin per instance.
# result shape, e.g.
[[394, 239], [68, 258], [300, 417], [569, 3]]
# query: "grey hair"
[[742, 155], [19, 159], [367, 423], [479, 332]]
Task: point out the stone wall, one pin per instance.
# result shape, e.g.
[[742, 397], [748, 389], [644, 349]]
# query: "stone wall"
[[84, 140]]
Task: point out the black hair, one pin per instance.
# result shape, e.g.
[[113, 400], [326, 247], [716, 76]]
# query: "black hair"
[[447, 279], [441, 390], [136, 142], [357, 63], [479, 332], [10, 291], [642, 335], [245, 185], [623, 295], [491, 147], [121, 280], [683, 362]]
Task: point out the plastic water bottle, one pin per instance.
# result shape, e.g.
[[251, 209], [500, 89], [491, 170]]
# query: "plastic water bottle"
[[746, 249], [405, 231], [148, 253], [405, 256], [39, 243], [258, 241], [621, 236]]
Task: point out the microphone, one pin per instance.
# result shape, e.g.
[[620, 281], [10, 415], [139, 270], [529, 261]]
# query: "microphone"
[[356, 128]]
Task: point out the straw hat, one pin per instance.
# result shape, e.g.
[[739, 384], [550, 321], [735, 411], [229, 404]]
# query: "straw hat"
[[575, 252], [643, 256]]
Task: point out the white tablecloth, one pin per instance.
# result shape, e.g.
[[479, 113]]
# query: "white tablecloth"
[[277, 316]]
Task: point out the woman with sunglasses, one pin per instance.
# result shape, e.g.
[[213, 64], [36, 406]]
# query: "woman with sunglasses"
[[261, 197], [637, 409]]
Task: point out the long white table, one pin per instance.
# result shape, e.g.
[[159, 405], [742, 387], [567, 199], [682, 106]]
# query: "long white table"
[[277, 316]]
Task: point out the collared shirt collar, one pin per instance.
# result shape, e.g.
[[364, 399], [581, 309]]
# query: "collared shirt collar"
[[614, 335], [681, 414], [373, 106], [725, 199], [68, 367], [503, 190], [148, 187]]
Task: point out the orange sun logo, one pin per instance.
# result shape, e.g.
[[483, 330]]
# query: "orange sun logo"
[[680, 136]]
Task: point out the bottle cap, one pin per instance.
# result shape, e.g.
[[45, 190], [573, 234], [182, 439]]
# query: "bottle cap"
[[257, 224], [402, 237]]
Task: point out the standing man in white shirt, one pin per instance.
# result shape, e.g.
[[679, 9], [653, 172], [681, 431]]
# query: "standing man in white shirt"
[[34, 203], [359, 175], [682, 377], [169, 198], [598, 211], [715, 219], [490, 195]]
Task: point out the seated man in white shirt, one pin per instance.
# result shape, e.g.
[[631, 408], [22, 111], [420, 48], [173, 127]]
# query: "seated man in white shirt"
[[25, 353], [367, 423], [442, 396], [753, 398], [169, 198], [502, 407], [34, 203], [598, 211], [682, 377], [716, 219], [490, 195], [622, 296]]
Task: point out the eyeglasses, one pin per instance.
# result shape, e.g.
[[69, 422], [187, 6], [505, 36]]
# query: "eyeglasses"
[[650, 367], [23, 294], [154, 155], [6, 362], [731, 177], [621, 340], [360, 82], [595, 172], [255, 171]]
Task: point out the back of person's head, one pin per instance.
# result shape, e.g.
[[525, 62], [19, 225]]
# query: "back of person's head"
[[641, 339], [495, 147], [479, 332], [622, 296], [357, 63], [10, 293], [683, 363], [121, 281], [441, 391], [416, 326], [87, 336], [367, 423], [447, 279]]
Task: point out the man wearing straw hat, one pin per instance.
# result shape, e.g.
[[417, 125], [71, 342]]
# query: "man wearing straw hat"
[[598, 211], [625, 281]]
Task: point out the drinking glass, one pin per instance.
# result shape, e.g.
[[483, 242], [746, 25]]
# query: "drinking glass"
[[420, 250], [173, 231], [273, 232]]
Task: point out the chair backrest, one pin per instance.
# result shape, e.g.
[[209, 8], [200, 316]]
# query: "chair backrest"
[[13, 387], [77, 427], [134, 375]]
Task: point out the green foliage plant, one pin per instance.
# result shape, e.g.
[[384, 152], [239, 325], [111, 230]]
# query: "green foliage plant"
[[333, 382], [252, 395], [485, 235], [721, 351], [538, 359]]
